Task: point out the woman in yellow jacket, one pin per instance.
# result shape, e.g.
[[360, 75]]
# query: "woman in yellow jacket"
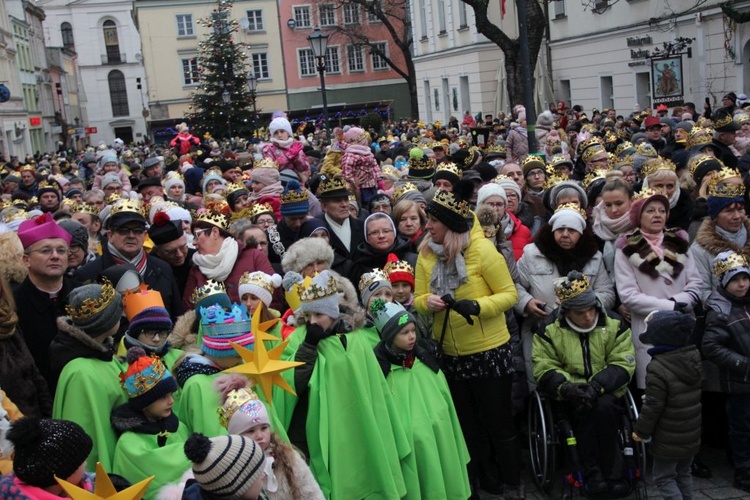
[[460, 274]]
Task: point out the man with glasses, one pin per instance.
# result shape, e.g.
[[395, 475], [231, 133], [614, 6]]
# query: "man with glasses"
[[41, 298], [126, 235], [171, 246]]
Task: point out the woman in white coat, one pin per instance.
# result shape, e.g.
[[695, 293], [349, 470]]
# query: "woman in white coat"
[[653, 270]]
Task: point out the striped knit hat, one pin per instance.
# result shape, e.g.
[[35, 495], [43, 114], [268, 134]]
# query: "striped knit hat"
[[225, 466], [219, 327]]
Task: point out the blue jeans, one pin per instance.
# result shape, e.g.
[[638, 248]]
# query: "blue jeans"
[[738, 415]]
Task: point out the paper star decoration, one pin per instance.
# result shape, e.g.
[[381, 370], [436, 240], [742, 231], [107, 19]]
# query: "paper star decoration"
[[262, 365], [103, 488]]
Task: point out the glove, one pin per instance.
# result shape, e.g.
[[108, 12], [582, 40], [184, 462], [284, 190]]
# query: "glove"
[[467, 309], [590, 391], [315, 334], [682, 307], [568, 391]]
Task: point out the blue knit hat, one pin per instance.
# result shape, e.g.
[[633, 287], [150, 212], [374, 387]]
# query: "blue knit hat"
[[294, 199], [151, 319], [146, 379]]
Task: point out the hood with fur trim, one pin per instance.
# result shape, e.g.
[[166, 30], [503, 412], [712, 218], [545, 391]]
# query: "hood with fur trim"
[[184, 334], [73, 343], [714, 243]]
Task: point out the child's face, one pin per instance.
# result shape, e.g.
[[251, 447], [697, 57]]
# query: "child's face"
[[323, 320], [110, 167], [77, 476], [261, 434], [383, 293], [254, 492], [739, 285], [406, 338], [401, 292], [281, 135], [159, 409], [251, 302], [582, 318]]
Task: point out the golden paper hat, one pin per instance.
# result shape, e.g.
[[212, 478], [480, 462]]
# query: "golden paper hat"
[[647, 150], [217, 219], [451, 169], [371, 277], [122, 206], [27, 168], [574, 207], [699, 136], [135, 301], [90, 307], [234, 187], [560, 159], [332, 187], [567, 289], [401, 190], [236, 399], [719, 187], [623, 147], [86, 208], [210, 288], [647, 193], [742, 118], [259, 209], [104, 489], [595, 174], [310, 290], [731, 260], [654, 165], [267, 163]]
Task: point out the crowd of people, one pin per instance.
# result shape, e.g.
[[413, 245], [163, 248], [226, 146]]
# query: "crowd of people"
[[416, 282]]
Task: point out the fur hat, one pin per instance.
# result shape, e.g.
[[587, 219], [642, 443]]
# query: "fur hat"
[[94, 308], [306, 251], [669, 328], [146, 379], [280, 123]]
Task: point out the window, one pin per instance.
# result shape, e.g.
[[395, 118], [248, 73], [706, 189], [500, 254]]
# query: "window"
[[260, 66], [327, 15], [437, 99], [255, 20], [462, 23], [306, 62], [66, 30], [354, 58], [351, 13], [378, 62], [302, 16], [423, 19], [185, 25], [333, 64], [373, 12], [559, 8], [607, 89], [441, 16], [190, 73], [118, 93], [111, 42]]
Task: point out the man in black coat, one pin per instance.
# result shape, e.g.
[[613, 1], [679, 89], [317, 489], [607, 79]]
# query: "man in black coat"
[[171, 247], [126, 234], [725, 132], [345, 232]]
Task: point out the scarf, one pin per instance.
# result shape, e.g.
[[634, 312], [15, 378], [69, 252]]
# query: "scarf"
[[140, 261], [446, 276], [218, 267], [578, 329], [283, 144], [507, 224], [609, 229], [8, 320], [655, 241], [133, 342], [739, 238], [273, 190]]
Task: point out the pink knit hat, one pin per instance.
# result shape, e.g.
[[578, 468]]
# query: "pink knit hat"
[[41, 228]]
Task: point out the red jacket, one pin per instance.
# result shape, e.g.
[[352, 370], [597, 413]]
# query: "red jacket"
[[520, 237]]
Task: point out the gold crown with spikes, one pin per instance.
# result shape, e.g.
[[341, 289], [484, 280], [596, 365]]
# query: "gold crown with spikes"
[[647, 150], [533, 159], [371, 277], [212, 170], [260, 209], [259, 279], [111, 199], [4, 204], [718, 186], [566, 290], [400, 266], [723, 121], [447, 200], [309, 291], [236, 399], [89, 307], [50, 183], [389, 171], [86, 208], [214, 218], [449, 167], [610, 137], [129, 206], [572, 206], [620, 149], [656, 164], [500, 178], [595, 174], [594, 141], [626, 160], [697, 160], [15, 214], [733, 261], [623, 134], [68, 203], [334, 183], [741, 118], [267, 163], [401, 190], [560, 159], [27, 168], [699, 136], [173, 175], [554, 178], [646, 193], [293, 196], [210, 288], [425, 163], [235, 186]]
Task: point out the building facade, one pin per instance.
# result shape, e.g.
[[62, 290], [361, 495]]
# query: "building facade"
[[14, 138]]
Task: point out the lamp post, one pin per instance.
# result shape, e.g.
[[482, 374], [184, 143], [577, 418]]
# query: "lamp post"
[[319, 45], [227, 98], [252, 86]]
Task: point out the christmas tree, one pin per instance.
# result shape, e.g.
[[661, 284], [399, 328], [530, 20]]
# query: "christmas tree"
[[222, 105]]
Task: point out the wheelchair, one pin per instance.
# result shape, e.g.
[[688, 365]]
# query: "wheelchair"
[[550, 440]]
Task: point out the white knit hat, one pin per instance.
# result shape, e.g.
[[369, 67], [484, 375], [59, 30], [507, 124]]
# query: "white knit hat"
[[280, 123], [259, 284], [491, 189]]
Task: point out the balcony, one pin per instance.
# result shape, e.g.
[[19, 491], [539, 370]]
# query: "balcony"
[[114, 58]]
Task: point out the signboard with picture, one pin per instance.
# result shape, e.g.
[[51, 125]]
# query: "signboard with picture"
[[666, 78]]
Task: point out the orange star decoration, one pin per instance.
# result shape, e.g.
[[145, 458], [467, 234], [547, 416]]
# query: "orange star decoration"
[[103, 488], [262, 365]]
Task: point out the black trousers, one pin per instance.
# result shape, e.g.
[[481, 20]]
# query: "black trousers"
[[484, 410]]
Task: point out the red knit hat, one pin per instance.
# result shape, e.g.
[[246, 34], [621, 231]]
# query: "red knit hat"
[[399, 270], [640, 200]]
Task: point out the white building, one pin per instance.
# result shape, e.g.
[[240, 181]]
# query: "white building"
[[103, 34], [14, 137]]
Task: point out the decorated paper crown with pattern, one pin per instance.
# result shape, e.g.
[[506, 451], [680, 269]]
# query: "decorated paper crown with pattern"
[[85, 208], [449, 167], [499, 149], [127, 206], [234, 187], [294, 196], [401, 190], [554, 178], [646, 193], [27, 168], [598, 173], [210, 288], [560, 159], [566, 289], [698, 159], [143, 375], [420, 162], [214, 218], [718, 187], [572, 206], [314, 289], [259, 279], [112, 198], [259, 209], [594, 142], [732, 261], [652, 166], [537, 160], [624, 161], [331, 183], [68, 203], [646, 149], [469, 160], [371, 277], [14, 214], [447, 200], [267, 163], [90, 307], [50, 183], [623, 146], [699, 136], [237, 399], [723, 120], [398, 270], [610, 137], [136, 301]]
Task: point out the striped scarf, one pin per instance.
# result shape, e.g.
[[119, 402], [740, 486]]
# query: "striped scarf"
[[139, 261]]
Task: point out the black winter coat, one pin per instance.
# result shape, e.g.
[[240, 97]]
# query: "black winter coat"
[[726, 341], [366, 258], [20, 378]]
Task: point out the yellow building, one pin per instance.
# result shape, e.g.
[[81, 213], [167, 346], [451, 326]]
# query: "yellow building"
[[170, 35]]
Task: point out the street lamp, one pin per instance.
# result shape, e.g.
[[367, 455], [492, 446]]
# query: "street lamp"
[[227, 98], [319, 44], [252, 85]]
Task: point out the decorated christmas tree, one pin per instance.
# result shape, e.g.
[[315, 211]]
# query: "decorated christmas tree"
[[223, 77]]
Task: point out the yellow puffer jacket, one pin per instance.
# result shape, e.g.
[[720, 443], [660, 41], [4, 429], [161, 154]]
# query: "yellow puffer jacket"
[[489, 283]]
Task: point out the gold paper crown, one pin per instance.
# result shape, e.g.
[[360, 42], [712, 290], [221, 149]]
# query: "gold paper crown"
[[610, 137], [267, 163], [699, 136], [402, 190], [50, 183], [697, 160], [15, 214], [449, 167], [573, 207], [334, 183], [259, 209], [447, 200], [144, 382], [623, 134], [33, 201], [127, 206], [236, 398], [309, 291], [620, 149], [173, 175], [86, 208], [292, 196], [566, 290], [425, 163], [497, 149], [718, 186], [390, 171], [646, 193], [27, 168], [210, 288], [741, 118], [371, 277], [111, 199], [214, 218], [68, 203], [594, 141], [554, 178], [722, 121], [656, 164], [400, 266], [733, 261], [89, 307], [212, 170], [560, 159], [595, 174], [258, 279], [234, 186], [4, 204], [646, 149], [533, 159]]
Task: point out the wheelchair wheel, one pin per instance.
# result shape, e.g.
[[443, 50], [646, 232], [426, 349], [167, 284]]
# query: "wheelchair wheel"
[[634, 452], [542, 443], [640, 447]]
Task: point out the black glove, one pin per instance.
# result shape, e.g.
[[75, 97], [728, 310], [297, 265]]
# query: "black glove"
[[568, 391], [315, 334], [467, 309], [590, 391]]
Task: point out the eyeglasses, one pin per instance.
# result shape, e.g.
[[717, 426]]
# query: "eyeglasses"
[[495, 204], [384, 232], [537, 173], [151, 335], [47, 251], [511, 195], [265, 222], [74, 249], [124, 231], [198, 232], [174, 251]]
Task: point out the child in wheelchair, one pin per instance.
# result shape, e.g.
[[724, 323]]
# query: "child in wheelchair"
[[583, 360]]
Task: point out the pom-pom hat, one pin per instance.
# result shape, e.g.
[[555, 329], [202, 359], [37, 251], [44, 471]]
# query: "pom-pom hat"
[[259, 284], [146, 379], [319, 294], [574, 292], [389, 318], [294, 199], [399, 271], [164, 230]]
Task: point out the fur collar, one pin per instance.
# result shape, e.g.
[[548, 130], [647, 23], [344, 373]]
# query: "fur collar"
[[184, 333], [713, 243], [65, 325], [640, 254], [566, 260]]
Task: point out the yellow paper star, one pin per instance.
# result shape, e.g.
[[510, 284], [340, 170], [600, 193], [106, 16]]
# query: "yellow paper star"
[[261, 365], [103, 488]]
